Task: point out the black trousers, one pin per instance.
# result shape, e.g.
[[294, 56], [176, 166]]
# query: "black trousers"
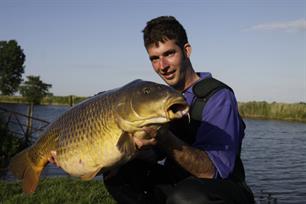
[[146, 183]]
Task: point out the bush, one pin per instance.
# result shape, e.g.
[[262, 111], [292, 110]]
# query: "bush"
[[10, 144]]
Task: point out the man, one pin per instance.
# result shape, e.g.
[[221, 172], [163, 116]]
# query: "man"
[[202, 162]]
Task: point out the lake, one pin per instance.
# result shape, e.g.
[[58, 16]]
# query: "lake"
[[273, 152]]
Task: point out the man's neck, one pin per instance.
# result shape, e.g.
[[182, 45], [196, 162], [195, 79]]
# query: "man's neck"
[[190, 80]]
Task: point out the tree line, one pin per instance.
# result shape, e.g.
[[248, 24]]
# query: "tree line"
[[12, 59]]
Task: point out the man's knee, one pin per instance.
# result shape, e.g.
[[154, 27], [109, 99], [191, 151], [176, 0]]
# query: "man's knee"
[[189, 191], [180, 196], [196, 191]]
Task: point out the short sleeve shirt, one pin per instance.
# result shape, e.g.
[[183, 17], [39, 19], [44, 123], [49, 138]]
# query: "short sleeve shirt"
[[220, 133]]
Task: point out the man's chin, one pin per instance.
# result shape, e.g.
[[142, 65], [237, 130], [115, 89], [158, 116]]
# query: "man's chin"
[[171, 82]]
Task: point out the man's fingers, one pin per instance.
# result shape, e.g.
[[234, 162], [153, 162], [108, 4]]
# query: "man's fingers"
[[144, 143], [151, 131]]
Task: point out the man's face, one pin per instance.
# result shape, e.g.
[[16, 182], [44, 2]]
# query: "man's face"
[[170, 62]]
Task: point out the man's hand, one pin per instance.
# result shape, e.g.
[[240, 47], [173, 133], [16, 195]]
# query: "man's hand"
[[146, 138], [142, 144], [192, 159]]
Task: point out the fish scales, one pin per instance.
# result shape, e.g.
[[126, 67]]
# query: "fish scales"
[[97, 133], [102, 130]]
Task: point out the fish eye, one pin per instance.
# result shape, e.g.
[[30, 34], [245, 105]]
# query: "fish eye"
[[146, 90]]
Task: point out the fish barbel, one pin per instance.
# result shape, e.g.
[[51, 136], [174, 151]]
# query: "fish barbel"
[[96, 134]]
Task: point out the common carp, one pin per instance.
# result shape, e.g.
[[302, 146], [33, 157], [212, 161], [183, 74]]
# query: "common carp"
[[96, 134]]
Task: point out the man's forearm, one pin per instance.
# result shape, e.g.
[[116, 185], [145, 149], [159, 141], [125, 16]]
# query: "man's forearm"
[[194, 160]]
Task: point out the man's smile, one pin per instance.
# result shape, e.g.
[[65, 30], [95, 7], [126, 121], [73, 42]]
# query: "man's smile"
[[169, 74]]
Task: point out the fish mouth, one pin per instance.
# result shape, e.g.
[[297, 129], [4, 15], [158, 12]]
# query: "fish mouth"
[[176, 109]]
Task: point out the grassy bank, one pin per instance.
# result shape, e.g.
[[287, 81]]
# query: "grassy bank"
[[277, 111], [50, 100], [57, 190]]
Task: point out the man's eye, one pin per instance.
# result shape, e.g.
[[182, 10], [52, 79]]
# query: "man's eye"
[[154, 60], [170, 54]]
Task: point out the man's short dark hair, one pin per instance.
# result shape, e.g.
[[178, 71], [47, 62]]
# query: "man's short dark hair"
[[164, 28]]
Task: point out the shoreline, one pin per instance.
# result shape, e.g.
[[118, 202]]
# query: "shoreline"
[[252, 117], [291, 112]]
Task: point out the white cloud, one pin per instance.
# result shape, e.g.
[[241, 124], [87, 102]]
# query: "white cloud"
[[287, 26]]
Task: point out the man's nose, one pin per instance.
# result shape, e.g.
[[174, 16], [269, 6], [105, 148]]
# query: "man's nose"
[[163, 63]]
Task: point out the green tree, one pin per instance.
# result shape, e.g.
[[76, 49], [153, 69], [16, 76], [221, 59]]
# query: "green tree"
[[12, 59], [34, 89]]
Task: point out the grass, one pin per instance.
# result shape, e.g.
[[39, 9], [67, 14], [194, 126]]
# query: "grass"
[[56, 190]]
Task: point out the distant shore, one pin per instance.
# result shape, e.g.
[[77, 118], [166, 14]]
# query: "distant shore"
[[49, 100], [253, 109], [273, 111]]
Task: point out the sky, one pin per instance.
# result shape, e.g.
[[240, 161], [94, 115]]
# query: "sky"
[[257, 47]]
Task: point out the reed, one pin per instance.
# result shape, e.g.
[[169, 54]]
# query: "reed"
[[278, 111]]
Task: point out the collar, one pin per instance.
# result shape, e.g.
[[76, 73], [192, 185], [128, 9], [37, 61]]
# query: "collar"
[[202, 75]]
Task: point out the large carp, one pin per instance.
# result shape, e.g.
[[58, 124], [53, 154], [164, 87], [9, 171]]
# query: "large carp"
[[96, 134]]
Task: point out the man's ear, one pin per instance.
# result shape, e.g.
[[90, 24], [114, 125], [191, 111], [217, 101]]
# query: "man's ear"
[[187, 49]]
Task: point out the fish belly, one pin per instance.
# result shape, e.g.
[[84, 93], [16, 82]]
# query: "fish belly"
[[87, 136], [81, 161]]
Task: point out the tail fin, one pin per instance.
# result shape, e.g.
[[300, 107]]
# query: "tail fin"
[[23, 168]]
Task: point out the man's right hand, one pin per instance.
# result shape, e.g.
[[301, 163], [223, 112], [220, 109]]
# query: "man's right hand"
[[146, 138]]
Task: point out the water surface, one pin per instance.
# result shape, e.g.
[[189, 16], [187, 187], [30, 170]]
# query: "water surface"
[[273, 152]]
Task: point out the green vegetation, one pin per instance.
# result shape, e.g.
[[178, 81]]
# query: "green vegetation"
[[56, 190], [62, 100], [278, 111], [49, 100], [9, 145], [12, 67], [34, 89], [12, 59]]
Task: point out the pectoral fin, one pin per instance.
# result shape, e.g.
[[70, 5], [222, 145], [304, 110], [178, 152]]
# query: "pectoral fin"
[[126, 144]]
